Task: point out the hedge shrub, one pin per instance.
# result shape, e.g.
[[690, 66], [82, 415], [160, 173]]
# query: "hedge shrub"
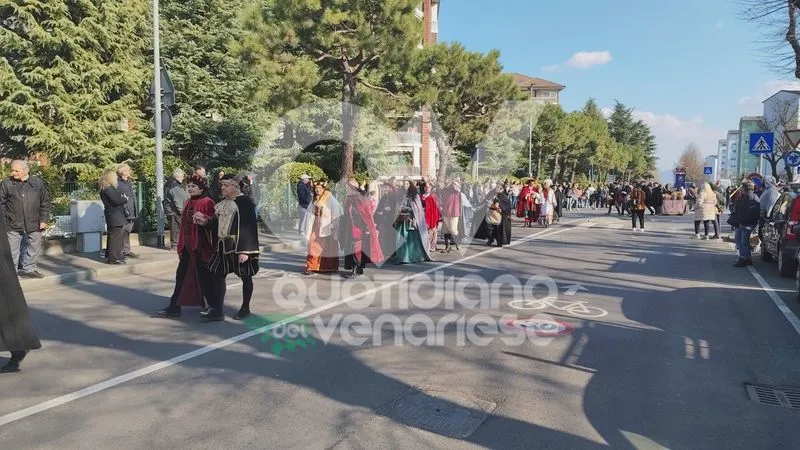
[[278, 198]]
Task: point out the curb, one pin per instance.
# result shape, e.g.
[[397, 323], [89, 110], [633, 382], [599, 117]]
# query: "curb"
[[93, 274], [141, 268]]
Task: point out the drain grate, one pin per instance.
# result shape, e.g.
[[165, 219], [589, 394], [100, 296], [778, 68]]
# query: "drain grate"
[[774, 396], [447, 413]]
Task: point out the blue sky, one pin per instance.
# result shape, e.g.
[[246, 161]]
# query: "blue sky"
[[689, 68]]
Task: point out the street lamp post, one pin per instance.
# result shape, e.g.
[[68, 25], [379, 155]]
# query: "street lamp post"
[[157, 120]]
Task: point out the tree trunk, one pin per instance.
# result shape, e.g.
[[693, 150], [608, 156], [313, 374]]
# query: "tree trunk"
[[444, 151], [553, 166], [349, 112], [774, 166], [572, 172]]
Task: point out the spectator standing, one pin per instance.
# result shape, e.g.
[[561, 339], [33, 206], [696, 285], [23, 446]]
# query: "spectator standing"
[[304, 198], [175, 197], [125, 187], [26, 207]]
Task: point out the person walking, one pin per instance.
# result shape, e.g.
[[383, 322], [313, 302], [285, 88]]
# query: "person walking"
[[125, 186], [26, 211], [637, 199], [746, 213], [116, 218], [193, 282], [17, 334], [175, 196], [236, 248]]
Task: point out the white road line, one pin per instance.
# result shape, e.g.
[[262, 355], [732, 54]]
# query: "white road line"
[[776, 299], [64, 399], [773, 295]]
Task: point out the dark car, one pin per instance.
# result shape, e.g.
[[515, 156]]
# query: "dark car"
[[779, 237]]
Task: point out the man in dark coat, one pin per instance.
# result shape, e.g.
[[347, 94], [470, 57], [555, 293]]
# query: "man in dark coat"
[[745, 218], [26, 206], [16, 331]]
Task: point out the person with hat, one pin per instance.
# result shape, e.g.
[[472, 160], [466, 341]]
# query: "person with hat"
[[235, 246], [193, 281], [744, 219], [304, 198]]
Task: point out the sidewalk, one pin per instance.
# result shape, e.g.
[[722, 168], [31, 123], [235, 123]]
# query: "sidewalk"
[[70, 268]]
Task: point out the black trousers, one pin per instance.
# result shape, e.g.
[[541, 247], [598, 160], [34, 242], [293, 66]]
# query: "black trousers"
[[637, 214], [114, 243], [203, 277], [705, 227]]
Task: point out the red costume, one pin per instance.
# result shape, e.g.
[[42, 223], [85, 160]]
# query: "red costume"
[[527, 206], [195, 240]]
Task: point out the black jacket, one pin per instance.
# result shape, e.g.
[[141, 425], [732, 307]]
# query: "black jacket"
[[114, 207], [748, 210], [26, 204], [304, 195], [126, 187]]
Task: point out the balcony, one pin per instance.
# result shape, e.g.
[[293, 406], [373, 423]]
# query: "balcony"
[[405, 141]]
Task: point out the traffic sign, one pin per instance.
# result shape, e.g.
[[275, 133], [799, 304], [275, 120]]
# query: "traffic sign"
[[167, 88], [761, 143], [756, 178], [708, 170], [793, 136], [793, 158]]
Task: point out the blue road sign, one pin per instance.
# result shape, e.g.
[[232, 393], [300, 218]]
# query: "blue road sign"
[[708, 170], [761, 143], [793, 158]]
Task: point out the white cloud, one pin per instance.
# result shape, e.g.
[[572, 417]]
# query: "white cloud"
[[719, 24], [582, 60], [673, 134], [752, 104]]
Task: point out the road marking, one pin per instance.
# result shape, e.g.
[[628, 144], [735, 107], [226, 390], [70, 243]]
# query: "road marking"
[[776, 299], [99, 387]]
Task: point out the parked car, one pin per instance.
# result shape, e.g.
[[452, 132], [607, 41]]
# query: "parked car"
[[780, 234]]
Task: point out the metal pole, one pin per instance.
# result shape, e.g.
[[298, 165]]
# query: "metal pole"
[[157, 120], [530, 148]]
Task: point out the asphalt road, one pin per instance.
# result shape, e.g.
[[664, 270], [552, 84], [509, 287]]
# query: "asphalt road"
[[657, 334]]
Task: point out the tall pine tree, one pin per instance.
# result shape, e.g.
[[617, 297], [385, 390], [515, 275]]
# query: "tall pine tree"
[[72, 76], [216, 122]]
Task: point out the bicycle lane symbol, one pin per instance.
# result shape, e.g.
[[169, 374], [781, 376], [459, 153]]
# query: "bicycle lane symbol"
[[575, 308]]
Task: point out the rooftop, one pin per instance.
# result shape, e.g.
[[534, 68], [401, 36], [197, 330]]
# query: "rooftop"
[[527, 82], [790, 91]]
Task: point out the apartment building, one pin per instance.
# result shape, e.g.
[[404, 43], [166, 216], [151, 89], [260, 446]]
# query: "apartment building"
[[539, 90], [733, 153], [722, 158], [747, 162]]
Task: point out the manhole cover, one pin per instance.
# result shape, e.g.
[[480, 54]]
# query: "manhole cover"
[[774, 396], [447, 413]]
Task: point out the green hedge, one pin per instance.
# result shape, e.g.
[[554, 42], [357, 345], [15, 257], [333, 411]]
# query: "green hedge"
[[278, 193], [144, 172]]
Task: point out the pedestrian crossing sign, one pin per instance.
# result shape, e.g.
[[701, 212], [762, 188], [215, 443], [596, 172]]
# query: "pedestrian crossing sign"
[[761, 143]]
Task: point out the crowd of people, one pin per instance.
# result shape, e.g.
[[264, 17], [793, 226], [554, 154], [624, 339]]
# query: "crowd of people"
[[214, 227]]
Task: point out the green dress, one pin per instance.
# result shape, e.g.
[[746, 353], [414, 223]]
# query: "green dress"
[[410, 247]]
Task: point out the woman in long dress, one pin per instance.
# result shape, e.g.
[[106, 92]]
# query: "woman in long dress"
[[412, 230], [17, 334], [547, 203], [321, 231], [193, 282], [433, 214]]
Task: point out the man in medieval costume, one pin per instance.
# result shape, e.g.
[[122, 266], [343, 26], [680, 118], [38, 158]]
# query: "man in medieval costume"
[[526, 206], [385, 215], [494, 217], [358, 234]]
